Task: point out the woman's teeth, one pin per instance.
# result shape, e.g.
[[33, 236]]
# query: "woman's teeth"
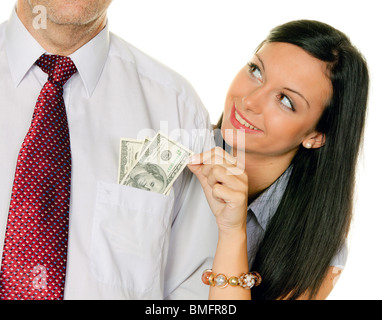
[[243, 122]]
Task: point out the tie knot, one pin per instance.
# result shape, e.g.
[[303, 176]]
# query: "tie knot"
[[59, 68]]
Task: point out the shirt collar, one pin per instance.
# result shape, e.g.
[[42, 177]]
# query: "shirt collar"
[[90, 59], [23, 50], [265, 206]]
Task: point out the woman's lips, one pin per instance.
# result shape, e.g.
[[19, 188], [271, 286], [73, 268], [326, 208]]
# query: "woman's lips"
[[239, 122]]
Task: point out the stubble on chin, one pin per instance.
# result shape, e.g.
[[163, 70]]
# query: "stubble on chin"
[[69, 12]]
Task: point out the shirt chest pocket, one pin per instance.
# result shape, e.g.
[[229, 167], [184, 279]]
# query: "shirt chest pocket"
[[128, 236]]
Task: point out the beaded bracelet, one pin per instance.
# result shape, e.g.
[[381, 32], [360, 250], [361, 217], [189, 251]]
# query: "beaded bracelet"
[[246, 280]]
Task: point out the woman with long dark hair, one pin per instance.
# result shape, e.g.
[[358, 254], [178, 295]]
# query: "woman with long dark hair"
[[299, 106]]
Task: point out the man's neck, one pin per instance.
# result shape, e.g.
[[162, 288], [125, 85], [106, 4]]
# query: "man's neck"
[[61, 39]]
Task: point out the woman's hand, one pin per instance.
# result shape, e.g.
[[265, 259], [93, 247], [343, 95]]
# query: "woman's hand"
[[225, 185]]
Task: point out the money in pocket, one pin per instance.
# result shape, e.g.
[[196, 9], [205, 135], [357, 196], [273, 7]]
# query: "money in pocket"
[[160, 162]]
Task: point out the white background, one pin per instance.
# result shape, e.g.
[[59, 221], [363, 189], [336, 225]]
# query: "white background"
[[208, 41]]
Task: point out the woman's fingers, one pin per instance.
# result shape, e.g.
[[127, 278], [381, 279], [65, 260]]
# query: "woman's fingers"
[[225, 175], [218, 172], [213, 156], [232, 199], [218, 167], [225, 184]]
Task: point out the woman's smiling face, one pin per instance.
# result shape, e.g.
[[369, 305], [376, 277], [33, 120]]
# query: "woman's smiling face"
[[277, 99]]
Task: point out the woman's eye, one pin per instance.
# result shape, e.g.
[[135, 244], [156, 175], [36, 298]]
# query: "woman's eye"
[[285, 101], [255, 72]]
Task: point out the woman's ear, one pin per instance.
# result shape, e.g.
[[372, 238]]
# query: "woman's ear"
[[314, 140]]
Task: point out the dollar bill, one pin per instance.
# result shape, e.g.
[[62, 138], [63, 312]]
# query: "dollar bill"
[[128, 155], [145, 143], [159, 165]]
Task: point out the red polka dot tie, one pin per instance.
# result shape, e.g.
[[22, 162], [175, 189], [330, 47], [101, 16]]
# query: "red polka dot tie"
[[36, 240]]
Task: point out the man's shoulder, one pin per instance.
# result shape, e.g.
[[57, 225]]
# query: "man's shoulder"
[[147, 66]]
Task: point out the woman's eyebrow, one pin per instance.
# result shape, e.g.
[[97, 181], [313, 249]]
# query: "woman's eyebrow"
[[298, 93], [291, 90], [261, 61]]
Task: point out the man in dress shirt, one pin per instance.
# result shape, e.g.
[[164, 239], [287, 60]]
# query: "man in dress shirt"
[[124, 243]]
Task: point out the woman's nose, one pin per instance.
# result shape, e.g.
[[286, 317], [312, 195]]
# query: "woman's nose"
[[254, 100]]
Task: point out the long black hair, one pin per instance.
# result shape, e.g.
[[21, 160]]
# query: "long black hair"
[[314, 215]]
